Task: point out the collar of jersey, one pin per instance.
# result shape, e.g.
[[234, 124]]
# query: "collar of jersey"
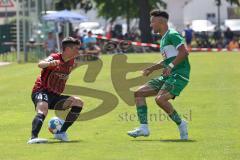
[[165, 34]]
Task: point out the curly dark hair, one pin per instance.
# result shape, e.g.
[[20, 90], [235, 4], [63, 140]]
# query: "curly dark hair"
[[158, 13]]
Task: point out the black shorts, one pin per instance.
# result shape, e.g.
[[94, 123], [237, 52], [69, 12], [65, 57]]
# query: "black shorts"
[[54, 101]]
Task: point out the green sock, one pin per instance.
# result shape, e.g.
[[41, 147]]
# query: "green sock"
[[175, 117], [142, 114]]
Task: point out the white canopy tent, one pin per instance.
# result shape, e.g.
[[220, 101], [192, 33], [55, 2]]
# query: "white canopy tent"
[[64, 16]]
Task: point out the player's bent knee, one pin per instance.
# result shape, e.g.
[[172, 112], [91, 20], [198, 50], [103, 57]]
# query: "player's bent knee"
[[138, 93], [77, 102], [142, 91], [42, 107], [160, 100]]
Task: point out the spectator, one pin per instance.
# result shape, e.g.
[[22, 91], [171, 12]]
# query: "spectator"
[[228, 36], [90, 45], [118, 31], [189, 35], [219, 43], [50, 44], [76, 34], [217, 34], [89, 39], [84, 34], [233, 44], [202, 40]]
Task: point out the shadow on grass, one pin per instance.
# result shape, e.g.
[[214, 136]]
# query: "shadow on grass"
[[165, 140], [178, 140], [62, 142]]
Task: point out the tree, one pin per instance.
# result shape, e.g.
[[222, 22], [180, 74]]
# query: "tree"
[[72, 4], [234, 2], [144, 23], [115, 8], [219, 3], [130, 9]]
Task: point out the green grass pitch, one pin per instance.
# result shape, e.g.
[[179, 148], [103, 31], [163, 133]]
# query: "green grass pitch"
[[211, 103]]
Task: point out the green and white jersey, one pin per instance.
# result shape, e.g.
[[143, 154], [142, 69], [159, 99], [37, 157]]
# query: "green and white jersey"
[[169, 44]]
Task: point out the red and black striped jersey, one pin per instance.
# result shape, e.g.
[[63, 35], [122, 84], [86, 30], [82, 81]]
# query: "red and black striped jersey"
[[53, 79]]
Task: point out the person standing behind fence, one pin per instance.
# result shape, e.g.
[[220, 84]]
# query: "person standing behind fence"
[[233, 44], [228, 36], [50, 44], [189, 35]]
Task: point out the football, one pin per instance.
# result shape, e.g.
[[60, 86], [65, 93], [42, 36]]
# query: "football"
[[55, 125]]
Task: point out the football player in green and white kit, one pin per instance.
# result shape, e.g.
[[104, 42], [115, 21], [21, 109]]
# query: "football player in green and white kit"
[[175, 76]]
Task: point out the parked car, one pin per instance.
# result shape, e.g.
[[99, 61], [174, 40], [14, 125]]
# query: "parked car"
[[95, 27]]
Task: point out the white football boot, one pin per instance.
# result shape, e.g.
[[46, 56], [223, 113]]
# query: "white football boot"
[[183, 130], [37, 141], [141, 131], [61, 136]]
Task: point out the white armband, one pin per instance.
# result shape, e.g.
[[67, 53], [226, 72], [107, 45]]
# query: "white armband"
[[171, 65]]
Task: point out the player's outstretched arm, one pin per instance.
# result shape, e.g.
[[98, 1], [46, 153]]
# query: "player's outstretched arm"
[[45, 64], [156, 66]]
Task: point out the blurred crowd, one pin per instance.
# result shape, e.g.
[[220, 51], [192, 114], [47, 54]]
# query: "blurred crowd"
[[217, 39], [92, 46]]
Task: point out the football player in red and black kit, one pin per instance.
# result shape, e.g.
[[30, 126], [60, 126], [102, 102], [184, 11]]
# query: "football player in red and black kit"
[[46, 93]]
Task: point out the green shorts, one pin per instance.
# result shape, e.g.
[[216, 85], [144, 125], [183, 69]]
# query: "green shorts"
[[174, 83]]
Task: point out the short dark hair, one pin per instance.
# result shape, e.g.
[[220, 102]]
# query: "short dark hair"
[[158, 13], [69, 42]]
